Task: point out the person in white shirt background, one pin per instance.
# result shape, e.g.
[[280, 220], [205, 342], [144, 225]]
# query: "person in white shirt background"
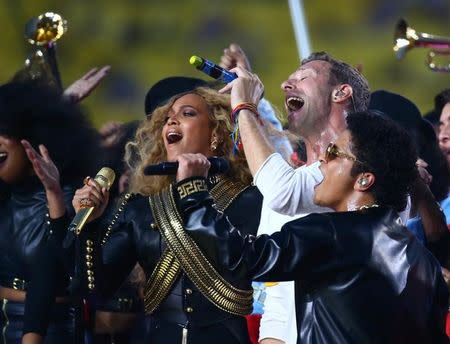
[[317, 100]]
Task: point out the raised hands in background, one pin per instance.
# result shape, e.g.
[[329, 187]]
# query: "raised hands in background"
[[82, 87]]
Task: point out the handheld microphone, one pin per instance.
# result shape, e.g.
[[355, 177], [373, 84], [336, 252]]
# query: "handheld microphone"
[[105, 178], [212, 69], [218, 165]]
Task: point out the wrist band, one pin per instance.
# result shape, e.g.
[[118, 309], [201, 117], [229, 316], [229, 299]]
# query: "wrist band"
[[235, 136]]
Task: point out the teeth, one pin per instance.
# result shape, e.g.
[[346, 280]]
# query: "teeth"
[[295, 103], [3, 157], [173, 137]]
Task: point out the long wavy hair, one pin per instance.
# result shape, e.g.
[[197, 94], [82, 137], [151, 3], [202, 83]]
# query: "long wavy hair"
[[148, 146]]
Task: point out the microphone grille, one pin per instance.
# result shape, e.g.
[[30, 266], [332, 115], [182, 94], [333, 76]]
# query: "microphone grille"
[[105, 177]]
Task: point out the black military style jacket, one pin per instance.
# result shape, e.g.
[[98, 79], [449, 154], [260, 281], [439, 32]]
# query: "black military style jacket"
[[131, 233], [360, 276]]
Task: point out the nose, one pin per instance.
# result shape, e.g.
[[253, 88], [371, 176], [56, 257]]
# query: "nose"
[[287, 85], [173, 119]]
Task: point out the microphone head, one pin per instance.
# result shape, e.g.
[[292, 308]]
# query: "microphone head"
[[105, 177]]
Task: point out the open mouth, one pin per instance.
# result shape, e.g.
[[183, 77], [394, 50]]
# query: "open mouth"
[[173, 137], [294, 103], [3, 157]]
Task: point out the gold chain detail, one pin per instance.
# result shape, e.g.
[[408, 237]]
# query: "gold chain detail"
[[121, 207], [196, 266], [225, 191], [158, 284]]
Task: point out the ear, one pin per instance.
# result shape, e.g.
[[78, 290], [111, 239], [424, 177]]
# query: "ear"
[[364, 181], [341, 93]]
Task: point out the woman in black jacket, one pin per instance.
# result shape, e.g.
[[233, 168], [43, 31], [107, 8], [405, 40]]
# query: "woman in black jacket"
[[35, 202], [187, 301]]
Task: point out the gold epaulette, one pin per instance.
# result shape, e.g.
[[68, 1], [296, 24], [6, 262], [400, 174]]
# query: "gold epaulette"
[[224, 191]]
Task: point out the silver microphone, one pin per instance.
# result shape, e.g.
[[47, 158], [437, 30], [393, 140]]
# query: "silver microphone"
[[105, 178]]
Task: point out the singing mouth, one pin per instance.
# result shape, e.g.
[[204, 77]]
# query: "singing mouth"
[[294, 103], [173, 137], [3, 157]]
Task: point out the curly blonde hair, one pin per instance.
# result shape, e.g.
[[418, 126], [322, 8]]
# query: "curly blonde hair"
[[148, 146]]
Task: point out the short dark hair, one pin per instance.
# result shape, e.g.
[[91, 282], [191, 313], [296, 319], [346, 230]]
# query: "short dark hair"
[[386, 150], [41, 116], [343, 73], [441, 99]]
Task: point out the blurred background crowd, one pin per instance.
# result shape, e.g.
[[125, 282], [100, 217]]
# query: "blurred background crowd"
[[144, 41]]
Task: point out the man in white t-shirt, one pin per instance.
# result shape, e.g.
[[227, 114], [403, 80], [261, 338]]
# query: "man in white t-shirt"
[[318, 96]]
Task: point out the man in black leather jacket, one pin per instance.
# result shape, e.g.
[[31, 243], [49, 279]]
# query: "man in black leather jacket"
[[360, 276]]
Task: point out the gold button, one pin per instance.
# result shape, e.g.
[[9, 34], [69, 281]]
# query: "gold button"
[[88, 257], [89, 264], [89, 242], [188, 291], [91, 286], [90, 272], [153, 226], [89, 249], [189, 309], [91, 279]]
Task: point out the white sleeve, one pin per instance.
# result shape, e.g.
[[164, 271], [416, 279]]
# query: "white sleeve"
[[287, 190], [278, 319]]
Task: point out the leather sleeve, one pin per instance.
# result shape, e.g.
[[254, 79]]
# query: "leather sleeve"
[[304, 248]]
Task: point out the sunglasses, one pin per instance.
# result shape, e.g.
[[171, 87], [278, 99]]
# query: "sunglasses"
[[332, 152]]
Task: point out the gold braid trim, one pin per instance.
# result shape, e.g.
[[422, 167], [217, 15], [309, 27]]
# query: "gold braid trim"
[[161, 280], [193, 262], [225, 191]]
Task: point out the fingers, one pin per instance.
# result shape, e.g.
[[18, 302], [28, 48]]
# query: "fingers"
[[44, 152], [29, 150], [100, 75], [192, 165], [89, 74], [234, 56], [227, 88], [226, 61], [90, 195]]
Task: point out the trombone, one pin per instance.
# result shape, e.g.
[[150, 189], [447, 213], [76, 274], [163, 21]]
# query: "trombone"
[[406, 38]]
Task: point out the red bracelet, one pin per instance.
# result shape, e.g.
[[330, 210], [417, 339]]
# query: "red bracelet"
[[245, 106]]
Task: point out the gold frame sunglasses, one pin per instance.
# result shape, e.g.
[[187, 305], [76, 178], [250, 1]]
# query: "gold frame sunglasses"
[[332, 152]]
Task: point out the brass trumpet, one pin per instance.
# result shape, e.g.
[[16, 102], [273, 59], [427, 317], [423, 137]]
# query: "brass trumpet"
[[406, 38], [42, 32]]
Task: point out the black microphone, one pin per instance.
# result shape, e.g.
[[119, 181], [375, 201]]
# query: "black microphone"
[[218, 166]]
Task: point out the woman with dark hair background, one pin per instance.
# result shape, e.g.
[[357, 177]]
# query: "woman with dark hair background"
[[35, 204]]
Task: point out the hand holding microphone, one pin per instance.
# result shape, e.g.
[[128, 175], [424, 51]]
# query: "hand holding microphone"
[[216, 165], [91, 200]]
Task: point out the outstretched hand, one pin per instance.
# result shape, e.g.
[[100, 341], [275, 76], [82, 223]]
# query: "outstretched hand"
[[43, 166], [82, 87], [234, 56]]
